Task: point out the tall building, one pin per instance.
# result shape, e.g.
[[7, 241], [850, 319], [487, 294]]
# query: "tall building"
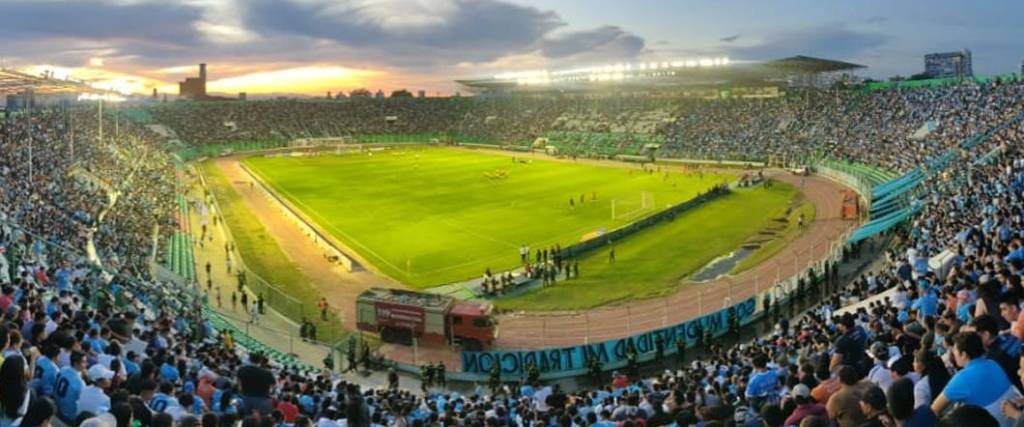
[[194, 87], [948, 64], [1022, 68]]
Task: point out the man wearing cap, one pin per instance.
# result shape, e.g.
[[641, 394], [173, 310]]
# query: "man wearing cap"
[[880, 374], [805, 406], [94, 397]]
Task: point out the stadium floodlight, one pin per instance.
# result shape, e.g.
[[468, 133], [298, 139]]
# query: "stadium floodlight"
[[608, 72], [106, 97], [121, 86]]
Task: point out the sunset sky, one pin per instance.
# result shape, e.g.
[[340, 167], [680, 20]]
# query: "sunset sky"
[[314, 46]]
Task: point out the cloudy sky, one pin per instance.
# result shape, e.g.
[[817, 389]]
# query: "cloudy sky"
[[312, 46]]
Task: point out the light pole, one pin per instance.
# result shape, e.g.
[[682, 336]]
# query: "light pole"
[[99, 117]]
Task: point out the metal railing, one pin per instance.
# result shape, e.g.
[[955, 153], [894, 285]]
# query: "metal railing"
[[778, 280], [289, 307]]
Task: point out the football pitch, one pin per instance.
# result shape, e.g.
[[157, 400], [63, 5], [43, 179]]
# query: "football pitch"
[[428, 216]]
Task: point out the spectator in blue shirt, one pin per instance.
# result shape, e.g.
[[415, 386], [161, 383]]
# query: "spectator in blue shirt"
[[979, 382], [928, 303], [763, 381], [1002, 349], [46, 371], [169, 372], [69, 387]]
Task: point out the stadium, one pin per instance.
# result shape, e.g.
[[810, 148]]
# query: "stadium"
[[704, 240]]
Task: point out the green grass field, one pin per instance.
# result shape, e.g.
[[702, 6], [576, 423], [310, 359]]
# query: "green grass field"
[[428, 216], [651, 262], [781, 238]]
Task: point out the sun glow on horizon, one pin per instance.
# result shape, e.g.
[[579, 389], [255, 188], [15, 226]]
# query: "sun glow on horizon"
[[313, 80], [305, 80]]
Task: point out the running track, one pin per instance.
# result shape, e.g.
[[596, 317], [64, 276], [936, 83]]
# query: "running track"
[[539, 330]]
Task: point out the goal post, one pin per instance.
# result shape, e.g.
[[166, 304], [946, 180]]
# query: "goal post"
[[628, 207]]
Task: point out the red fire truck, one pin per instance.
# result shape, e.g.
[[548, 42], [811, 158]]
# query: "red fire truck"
[[402, 316]]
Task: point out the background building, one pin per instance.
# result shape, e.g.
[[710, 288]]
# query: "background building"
[[194, 87], [948, 64]]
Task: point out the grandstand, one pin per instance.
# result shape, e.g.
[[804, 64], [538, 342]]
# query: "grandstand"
[[683, 76], [104, 300], [15, 82]]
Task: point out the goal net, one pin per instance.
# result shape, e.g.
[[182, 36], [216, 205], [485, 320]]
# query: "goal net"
[[629, 208], [320, 142]]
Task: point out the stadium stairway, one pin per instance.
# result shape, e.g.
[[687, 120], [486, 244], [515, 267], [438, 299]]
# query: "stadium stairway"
[[179, 258], [181, 261]]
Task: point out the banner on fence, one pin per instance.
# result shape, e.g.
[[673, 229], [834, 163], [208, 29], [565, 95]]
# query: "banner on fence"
[[549, 360]]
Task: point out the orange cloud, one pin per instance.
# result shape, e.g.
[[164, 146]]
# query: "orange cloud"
[[255, 79]]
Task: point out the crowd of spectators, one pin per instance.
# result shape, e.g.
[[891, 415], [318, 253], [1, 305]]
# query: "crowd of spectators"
[[874, 127], [87, 337], [210, 122]]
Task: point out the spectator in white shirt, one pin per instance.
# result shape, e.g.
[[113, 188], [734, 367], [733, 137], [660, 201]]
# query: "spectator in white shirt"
[[94, 397], [880, 374]]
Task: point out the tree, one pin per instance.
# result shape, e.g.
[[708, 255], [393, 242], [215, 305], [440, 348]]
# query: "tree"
[[401, 93], [360, 93]]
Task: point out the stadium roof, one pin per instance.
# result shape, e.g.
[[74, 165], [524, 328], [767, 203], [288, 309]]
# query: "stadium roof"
[[717, 72], [14, 82], [809, 64]]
